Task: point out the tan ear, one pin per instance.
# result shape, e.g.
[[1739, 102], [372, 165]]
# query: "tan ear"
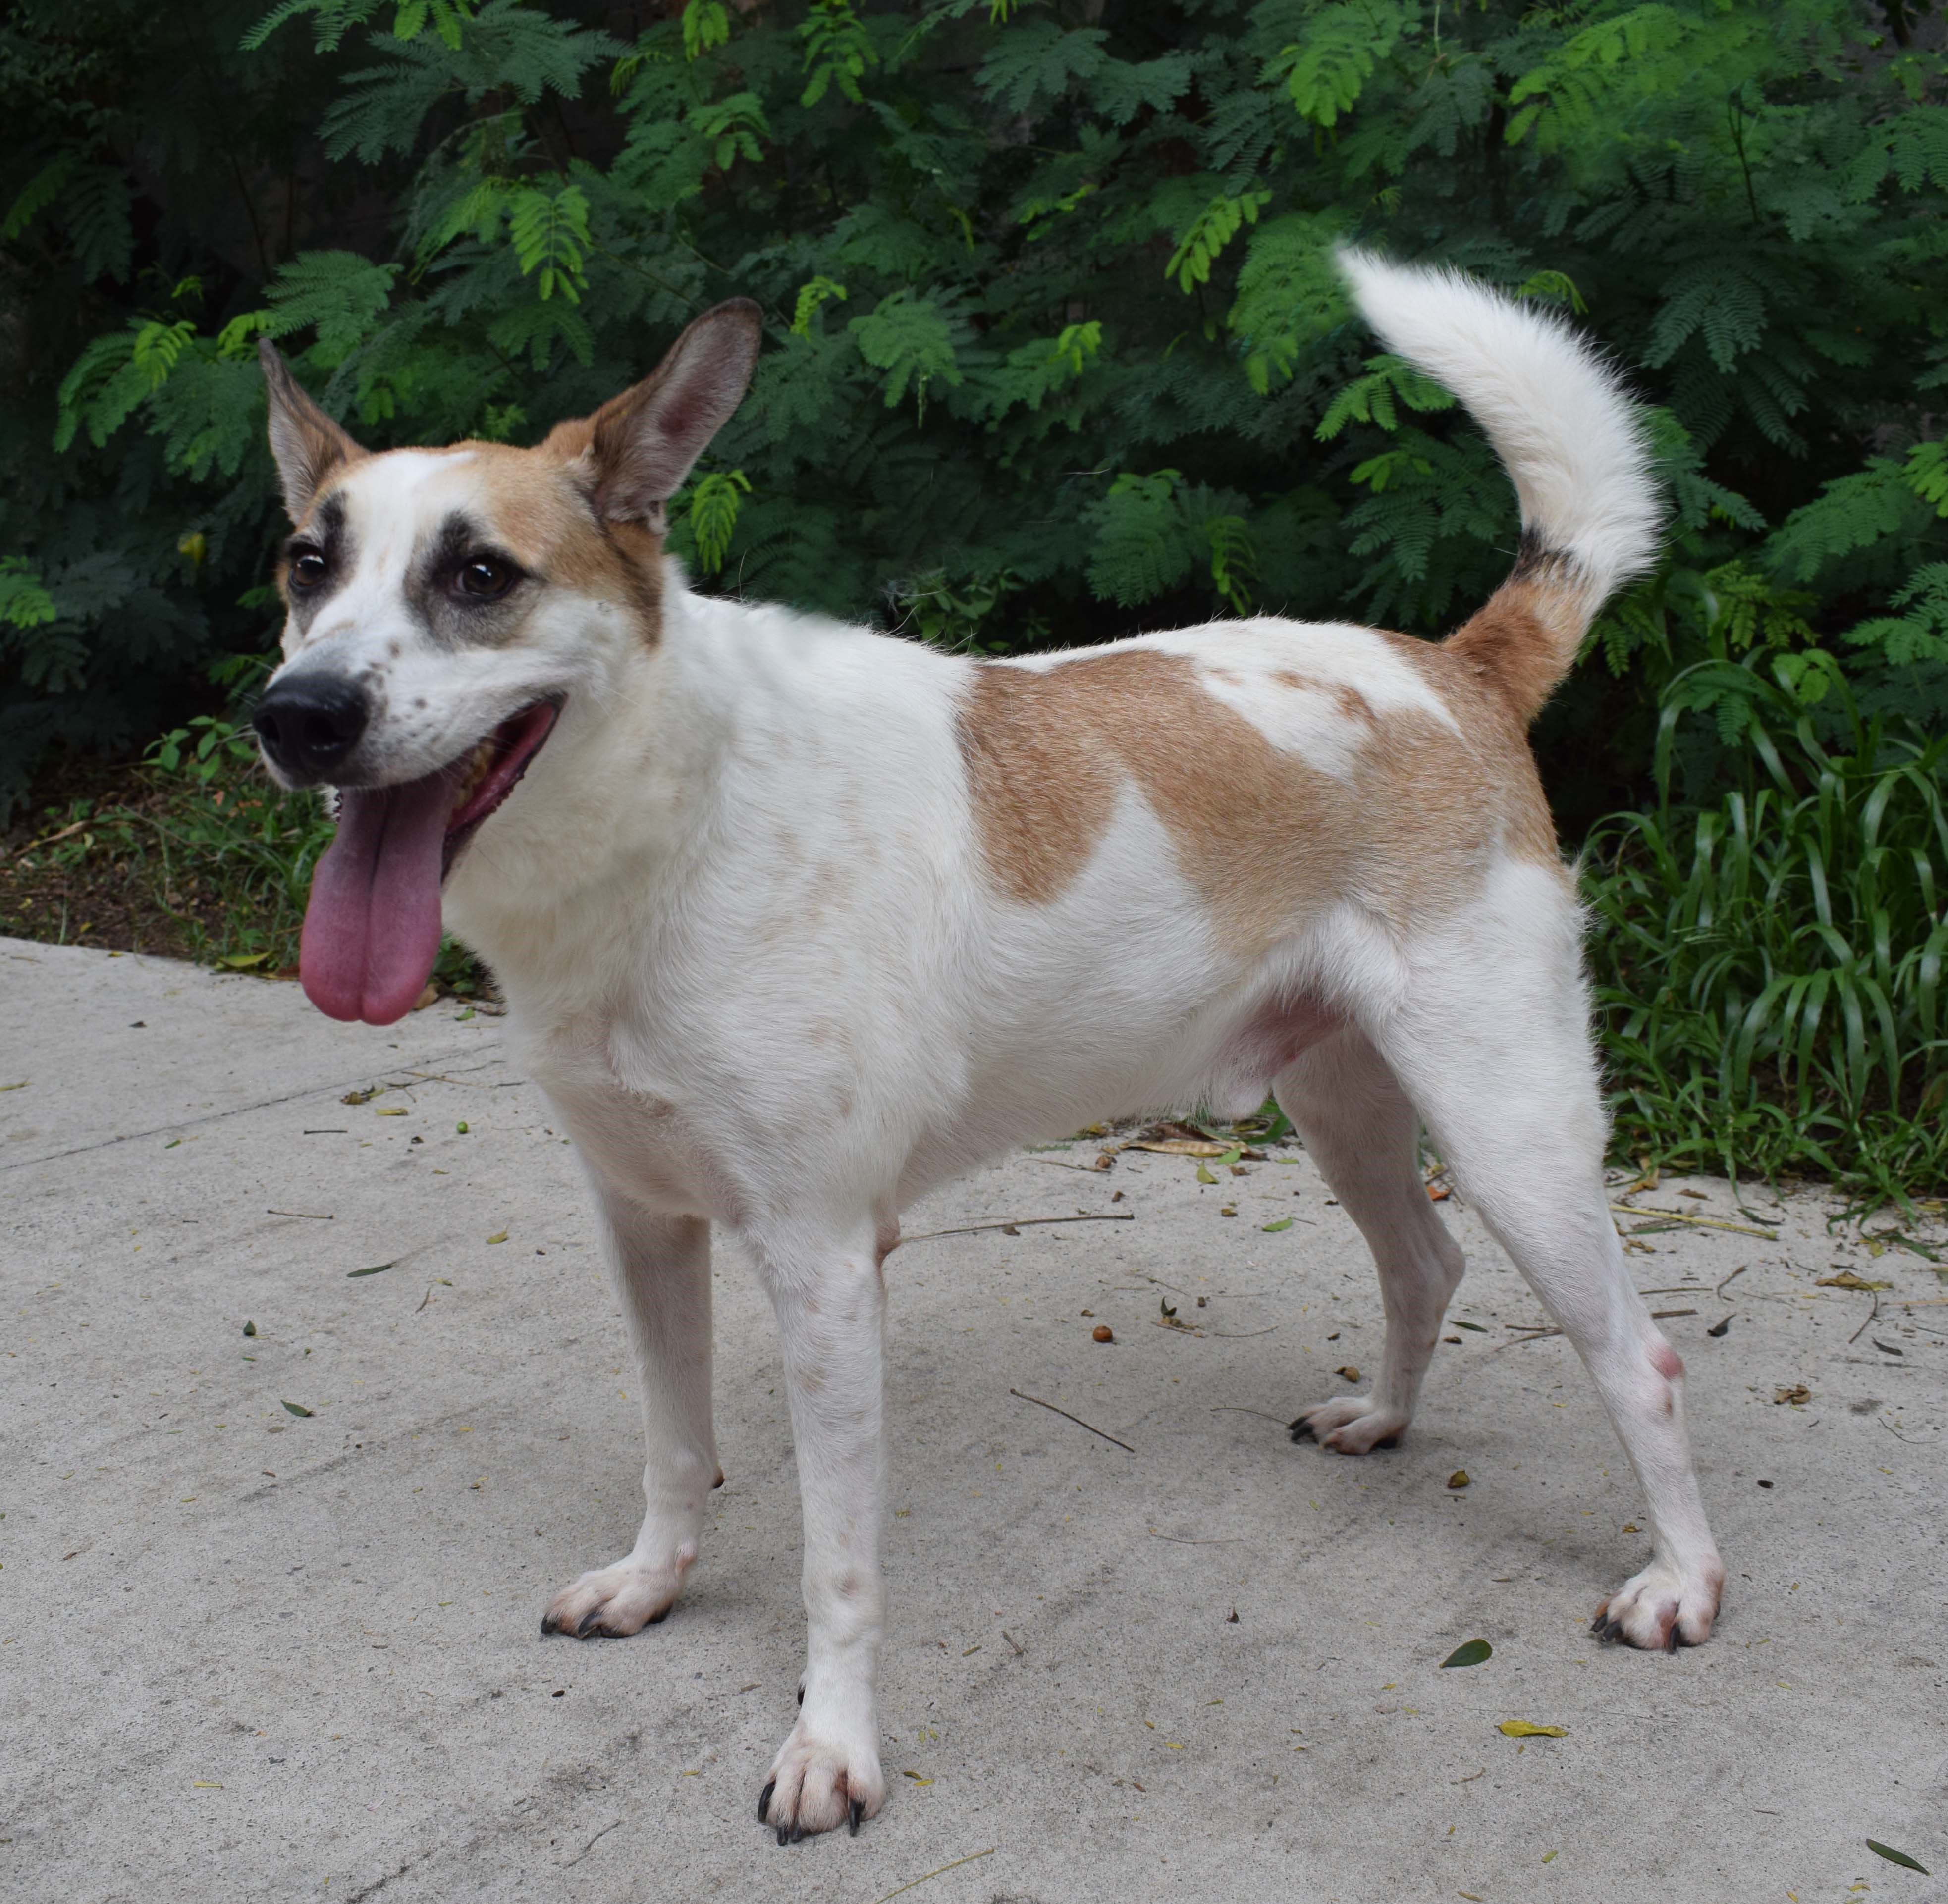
[[305, 443], [638, 447]]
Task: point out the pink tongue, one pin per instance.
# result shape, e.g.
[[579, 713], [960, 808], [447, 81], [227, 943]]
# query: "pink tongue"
[[371, 932]]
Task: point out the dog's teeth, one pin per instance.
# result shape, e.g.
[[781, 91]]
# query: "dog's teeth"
[[481, 760]]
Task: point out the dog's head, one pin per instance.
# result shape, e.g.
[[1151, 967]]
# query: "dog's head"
[[445, 607]]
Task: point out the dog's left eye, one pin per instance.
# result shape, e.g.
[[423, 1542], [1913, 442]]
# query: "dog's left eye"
[[485, 577]]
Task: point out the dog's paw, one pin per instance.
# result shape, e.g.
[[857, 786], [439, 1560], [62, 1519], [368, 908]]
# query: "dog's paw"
[[1350, 1425], [817, 1784], [613, 1602], [1662, 1608]]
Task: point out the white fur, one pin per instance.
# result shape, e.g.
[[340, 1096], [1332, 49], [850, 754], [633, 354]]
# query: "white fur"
[[752, 952]]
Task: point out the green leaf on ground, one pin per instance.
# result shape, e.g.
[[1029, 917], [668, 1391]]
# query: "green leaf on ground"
[[373, 1270], [1470, 1654], [1283, 1223], [1894, 1857], [295, 1409]]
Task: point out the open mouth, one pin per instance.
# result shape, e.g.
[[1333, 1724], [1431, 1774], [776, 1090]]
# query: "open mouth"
[[491, 772], [372, 928]]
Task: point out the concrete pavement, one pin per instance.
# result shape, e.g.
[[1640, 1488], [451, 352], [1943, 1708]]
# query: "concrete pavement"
[[245, 1652]]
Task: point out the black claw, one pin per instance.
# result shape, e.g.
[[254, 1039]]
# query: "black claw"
[[801, 1695], [657, 1619], [784, 1835], [588, 1620], [1301, 1430], [1596, 1625], [548, 1626], [798, 1832], [1670, 1639], [858, 1813], [764, 1798]]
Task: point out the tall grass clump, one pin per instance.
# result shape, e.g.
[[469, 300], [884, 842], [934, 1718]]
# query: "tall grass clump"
[[1767, 958]]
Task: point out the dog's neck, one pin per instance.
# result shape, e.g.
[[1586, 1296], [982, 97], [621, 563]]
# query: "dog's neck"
[[617, 801]]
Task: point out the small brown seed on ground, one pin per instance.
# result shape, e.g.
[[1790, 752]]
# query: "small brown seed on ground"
[[1102, 1332]]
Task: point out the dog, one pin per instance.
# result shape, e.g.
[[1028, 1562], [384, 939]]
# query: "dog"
[[796, 920]]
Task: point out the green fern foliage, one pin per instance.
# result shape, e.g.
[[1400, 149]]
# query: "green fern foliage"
[[1055, 341]]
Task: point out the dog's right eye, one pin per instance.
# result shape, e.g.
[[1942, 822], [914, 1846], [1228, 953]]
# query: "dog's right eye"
[[308, 569]]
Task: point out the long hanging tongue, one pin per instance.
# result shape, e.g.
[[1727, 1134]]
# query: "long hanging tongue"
[[371, 932]]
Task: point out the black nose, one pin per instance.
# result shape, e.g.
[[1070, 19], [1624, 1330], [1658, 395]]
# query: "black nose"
[[309, 726]]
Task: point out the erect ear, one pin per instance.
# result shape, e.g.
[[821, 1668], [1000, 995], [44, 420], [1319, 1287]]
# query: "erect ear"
[[641, 445], [306, 444]]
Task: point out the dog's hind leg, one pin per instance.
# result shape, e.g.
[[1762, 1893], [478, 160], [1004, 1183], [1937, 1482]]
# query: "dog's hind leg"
[[1491, 1041], [831, 1301], [662, 1269], [1360, 1131]]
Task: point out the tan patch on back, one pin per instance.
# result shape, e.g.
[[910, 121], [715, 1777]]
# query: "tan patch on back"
[[1267, 839]]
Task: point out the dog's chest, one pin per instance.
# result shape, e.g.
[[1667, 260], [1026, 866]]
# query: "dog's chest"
[[639, 1127]]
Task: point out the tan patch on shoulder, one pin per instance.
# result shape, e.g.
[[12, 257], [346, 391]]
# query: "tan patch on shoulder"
[[1266, 838]]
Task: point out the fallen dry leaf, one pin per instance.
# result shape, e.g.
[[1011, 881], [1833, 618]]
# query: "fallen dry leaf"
[[1346, 1369], [1522, 1728], [1458, 1480], [1847, 1280], [1797, 1394]]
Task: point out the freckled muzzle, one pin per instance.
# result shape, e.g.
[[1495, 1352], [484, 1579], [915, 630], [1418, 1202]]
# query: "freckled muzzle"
[[372, 928]]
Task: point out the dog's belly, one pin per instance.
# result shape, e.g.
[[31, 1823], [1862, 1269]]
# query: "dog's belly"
[[1224, 1061]]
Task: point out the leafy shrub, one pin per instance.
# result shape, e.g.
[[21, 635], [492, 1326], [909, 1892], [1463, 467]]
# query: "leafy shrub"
[[1769, 962], [1053, 325]]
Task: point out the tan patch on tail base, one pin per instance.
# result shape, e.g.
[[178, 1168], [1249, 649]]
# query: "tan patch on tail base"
[[1266, 838], [1524, 640]]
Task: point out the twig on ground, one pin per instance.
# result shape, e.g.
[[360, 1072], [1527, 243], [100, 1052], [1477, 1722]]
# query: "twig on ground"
[[1732, 1278], [1683, 1216], [1236, 1541], [1229, 1407], [1865, 1325], [1665, 1315], [313, 1215], [955, 1866], [1894, 1431], [1066, 1416], [1015, 1223]]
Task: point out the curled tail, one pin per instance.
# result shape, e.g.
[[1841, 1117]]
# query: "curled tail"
[[1558, 419]]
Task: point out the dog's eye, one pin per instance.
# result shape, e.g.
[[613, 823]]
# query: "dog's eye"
[[486, 578], [309, 569]]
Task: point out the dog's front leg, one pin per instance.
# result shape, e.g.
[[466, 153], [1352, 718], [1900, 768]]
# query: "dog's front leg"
[[830, 1302], [662, 1269]]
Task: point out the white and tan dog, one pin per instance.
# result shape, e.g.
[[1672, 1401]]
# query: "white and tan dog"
[[796, 920]]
